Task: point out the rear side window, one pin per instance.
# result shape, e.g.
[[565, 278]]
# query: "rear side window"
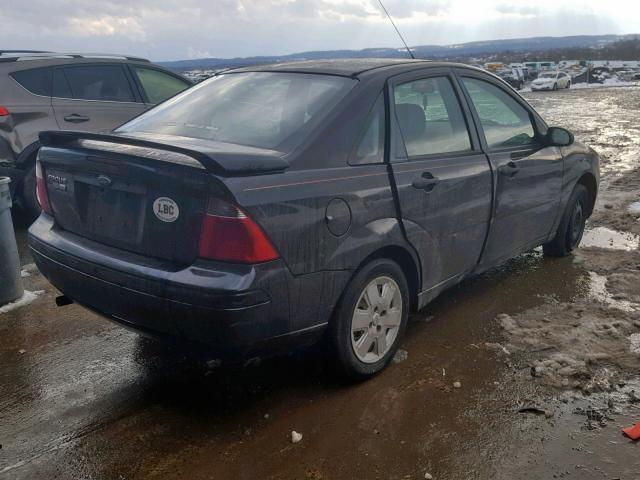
[[430, 117], [107, 83], [504, 121], [158, 85], [370, 149], [36, 81]]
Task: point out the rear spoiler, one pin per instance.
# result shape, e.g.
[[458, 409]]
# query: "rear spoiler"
[[244, 161]]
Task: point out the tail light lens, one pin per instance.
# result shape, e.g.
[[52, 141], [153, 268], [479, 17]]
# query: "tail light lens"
[[228, 234], [3, 111], [41, 190]]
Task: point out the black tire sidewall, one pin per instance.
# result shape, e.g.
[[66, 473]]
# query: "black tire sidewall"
[[561, 246], [579, 194], [340, 327]]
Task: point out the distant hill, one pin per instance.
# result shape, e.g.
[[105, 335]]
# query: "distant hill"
[[470, 49]]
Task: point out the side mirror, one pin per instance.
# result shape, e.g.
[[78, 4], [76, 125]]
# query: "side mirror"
[[559, 137]]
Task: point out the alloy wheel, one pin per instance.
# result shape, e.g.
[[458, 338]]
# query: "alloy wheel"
[[376, 319]]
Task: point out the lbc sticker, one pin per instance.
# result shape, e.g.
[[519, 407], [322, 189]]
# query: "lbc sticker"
[[166, 209]]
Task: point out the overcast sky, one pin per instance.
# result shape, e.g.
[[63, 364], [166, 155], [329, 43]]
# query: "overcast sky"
[[180, 29]]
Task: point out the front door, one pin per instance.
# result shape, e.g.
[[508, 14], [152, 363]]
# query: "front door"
[[527, 175], [443, 180], [94, 98]]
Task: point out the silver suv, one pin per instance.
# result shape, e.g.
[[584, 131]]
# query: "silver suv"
[[57, 91]]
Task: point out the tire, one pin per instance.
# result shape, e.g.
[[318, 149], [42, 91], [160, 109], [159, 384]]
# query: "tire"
[[555, 86], [571, 226], [383, 320], [568, 85], [28, 198]]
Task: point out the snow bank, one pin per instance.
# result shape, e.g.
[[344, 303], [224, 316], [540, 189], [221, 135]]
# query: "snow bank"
[[26, 299], [608, 82]]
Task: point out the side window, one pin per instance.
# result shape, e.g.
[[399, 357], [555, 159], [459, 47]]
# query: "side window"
[[158, 85], [107, 83], [370, 148], [505, 122], [60, 85], [36, 81], [430, 118]]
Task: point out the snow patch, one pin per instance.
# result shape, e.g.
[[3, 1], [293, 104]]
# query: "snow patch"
[[602, 237], [634, 208], [608, 82], [26, 299], [599, 292]]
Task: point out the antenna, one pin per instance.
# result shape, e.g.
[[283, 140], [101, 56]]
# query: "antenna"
[[397, 31]]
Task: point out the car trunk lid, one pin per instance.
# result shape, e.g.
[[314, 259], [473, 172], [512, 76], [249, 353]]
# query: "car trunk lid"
[[145, 196]]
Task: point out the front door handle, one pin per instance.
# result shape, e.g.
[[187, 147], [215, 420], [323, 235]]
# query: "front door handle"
[[76, 118], [426, 182], [509, 169]]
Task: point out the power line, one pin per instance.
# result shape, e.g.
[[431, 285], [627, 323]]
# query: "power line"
[[397, 31]]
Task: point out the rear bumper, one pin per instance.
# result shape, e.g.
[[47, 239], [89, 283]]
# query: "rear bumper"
[[232, 309]]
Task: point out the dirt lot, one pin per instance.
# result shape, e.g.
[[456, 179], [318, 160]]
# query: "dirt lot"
[[547, 354]]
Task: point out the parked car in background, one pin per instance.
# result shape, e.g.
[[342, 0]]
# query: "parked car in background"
[[270, 207], [49, 91], [551, 81], [513, 76], [536, 68]]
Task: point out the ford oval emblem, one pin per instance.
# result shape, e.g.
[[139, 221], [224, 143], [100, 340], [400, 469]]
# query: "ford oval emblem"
[[104, 181]]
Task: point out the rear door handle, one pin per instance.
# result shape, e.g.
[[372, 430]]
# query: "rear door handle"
[[426, 182], [510, 169], [76, 118]]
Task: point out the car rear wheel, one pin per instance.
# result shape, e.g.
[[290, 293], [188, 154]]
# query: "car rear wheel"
[[28, 197], [571, 228], [370, 320], [555, 86], [568, 84]]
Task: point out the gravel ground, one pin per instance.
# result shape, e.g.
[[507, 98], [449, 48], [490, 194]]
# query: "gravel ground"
[[528, 371]]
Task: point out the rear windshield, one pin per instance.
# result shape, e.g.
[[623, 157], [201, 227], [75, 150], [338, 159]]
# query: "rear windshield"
[[259, 109]]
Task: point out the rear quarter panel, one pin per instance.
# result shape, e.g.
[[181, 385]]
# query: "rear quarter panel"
[[292, 208]]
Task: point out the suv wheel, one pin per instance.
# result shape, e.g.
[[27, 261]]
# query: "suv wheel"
[[571, 228], [28, 196], [370, 319]]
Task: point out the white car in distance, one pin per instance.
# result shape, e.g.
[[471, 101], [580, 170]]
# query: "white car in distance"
[[551, 81]]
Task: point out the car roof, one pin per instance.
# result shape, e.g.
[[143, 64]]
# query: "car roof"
[[349, 67]]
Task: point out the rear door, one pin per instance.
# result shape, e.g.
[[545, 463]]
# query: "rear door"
[[94, 98], [527, 175], [443, 178]]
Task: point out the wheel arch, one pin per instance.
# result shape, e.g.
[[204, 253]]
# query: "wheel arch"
[[403, 257]]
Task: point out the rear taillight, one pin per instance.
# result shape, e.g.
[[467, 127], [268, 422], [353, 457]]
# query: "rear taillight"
[[228, 234], [41, 190], [3, 111]]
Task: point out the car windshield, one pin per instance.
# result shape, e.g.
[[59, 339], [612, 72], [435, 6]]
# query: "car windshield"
[[259, 109], [547, 75]]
